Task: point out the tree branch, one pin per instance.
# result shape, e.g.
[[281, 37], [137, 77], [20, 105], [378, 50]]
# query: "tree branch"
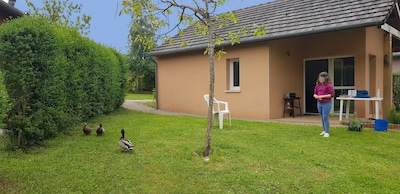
[[182, 6]]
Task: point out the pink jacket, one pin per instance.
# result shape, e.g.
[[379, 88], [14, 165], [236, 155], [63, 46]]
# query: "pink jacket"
[[324, 89]]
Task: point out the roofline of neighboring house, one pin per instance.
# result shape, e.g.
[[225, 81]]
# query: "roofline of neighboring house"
[[14, 11], [254, 39]]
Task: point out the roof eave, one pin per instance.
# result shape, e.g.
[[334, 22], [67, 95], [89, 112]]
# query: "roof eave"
[[14, 11], [255, 39]]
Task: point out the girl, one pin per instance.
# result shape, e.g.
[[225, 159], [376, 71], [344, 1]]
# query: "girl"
[[323, 93]]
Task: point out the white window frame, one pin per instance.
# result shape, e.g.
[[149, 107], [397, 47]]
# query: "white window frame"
[[231, 75]]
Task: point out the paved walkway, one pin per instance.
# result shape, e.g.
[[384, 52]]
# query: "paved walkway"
[[139, 106]]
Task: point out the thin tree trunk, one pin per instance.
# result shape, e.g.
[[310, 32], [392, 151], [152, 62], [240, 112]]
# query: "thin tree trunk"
[[211, 47]]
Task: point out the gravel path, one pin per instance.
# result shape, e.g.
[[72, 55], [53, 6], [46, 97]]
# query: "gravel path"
[[139, 106]]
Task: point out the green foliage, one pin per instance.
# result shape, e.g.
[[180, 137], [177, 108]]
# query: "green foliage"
[[60, 12], [396, 90], [55, 78], [141, 66], [4, 101], [355, 124], [394, 116], [249, 157]]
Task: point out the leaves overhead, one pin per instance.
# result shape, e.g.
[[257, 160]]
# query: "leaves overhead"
[[61, 12]]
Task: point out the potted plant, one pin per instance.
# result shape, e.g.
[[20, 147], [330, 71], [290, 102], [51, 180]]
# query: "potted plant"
[[355, 124]]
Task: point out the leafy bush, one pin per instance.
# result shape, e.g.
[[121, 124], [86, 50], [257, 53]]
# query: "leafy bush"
[[396, 90], [394, 116], [56, 78], [4, 101]]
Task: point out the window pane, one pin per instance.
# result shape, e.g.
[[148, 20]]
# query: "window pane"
[[343, 80], [344, 71], [236, 80]]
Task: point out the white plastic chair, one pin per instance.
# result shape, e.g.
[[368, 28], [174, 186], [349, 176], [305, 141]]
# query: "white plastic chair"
[[218, 112]]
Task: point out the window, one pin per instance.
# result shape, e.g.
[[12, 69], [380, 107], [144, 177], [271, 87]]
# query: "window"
[[234, 74], [343, 79]]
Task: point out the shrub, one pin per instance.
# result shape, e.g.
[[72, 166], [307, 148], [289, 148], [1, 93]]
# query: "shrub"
[[4, 101], [56, 78], [394, 116], [396, 90]]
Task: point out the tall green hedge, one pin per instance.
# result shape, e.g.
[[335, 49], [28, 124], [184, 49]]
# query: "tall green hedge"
[[396, 90], [4, 101], [55, 78]]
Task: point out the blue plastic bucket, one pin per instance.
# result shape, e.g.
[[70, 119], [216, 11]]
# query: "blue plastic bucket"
[[381, 125]]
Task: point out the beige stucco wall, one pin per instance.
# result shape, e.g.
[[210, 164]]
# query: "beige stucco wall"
[[374, 67], [286, 73], [268, 70], [347, 43], [184, 79]]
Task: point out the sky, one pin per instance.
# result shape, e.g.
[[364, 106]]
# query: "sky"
[[107, 27]]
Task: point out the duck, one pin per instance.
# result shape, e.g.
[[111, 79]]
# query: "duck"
[[86, 129], [125, 144], [100, 130]]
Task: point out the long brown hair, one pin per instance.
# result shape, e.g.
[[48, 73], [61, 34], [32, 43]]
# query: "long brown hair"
[[326, 76]]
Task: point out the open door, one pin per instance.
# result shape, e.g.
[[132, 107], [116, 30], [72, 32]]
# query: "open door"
[[312, 69]]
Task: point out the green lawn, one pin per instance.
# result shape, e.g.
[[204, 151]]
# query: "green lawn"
[[130, 96], [249, 157]]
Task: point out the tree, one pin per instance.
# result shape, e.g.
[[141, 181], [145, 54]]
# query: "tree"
[[61, 11], [141, 65], [198, 13]]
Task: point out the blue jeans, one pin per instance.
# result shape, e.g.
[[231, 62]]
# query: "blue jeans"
[[324, 109]]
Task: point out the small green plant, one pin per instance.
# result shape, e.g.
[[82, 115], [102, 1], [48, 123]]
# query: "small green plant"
[[332, 114], [355, 124]]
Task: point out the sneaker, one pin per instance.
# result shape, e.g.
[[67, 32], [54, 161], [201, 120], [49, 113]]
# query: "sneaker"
[[326, 135], [322, 133]]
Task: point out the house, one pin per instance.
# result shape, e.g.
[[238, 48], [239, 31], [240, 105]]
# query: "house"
[[8, 10], [352, 40]]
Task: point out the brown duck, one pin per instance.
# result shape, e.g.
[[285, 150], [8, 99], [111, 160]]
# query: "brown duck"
[[86, 129]]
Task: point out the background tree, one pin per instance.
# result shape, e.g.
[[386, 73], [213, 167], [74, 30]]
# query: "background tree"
[[141, 65], [62, 11], [198, 13]]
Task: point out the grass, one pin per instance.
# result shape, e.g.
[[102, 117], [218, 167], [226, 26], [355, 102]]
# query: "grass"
[[150, 104], [249, 157], [130, 96]]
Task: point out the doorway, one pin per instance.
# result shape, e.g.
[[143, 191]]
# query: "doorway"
[[341, 72], [312, 69]]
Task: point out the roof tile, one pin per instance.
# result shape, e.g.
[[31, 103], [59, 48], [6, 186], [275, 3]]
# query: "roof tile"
[[287, 18]]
